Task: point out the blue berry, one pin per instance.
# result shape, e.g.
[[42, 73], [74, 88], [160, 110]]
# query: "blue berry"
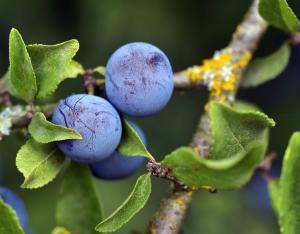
[[118, 166], [96, 120], [139, 79], [16, 203]]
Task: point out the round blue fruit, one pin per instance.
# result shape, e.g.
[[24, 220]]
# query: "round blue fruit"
[[118, 166], [96, 120], [139, 79], [16, 204]]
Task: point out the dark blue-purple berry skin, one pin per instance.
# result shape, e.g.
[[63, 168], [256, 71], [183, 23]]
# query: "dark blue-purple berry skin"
[[15, 202], [139, 79], [96, 120], [118, 166]]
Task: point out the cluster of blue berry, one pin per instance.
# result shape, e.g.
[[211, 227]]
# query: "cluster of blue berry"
[[138, 82]]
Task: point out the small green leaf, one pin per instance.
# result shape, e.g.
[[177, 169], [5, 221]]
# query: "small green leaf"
[[21, 77], [39, 163], [233, 130], [262, 70], [239, 142], [285, 193], [131, 144], [44, 131], [50, 63], [228, 173], [78, 208], [101, 70], [73, 70], [9, 222], [279, 14], [133, 204]]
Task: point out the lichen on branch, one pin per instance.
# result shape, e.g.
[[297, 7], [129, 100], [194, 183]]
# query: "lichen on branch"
[[7, 117], [220, 73]]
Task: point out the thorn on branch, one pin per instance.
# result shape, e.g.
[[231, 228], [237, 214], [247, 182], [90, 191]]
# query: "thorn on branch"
[[266, 165], [294, 39]]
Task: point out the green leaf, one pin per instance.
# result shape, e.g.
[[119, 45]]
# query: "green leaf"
[[239, 142], [131, 144], [228, 173], [279, 14], [262, 70], [274, 193], [9, 222], [101, 70], [133, 204], [289, 185], [21, 75], [233, 130], [39, 163], [73, 70], [285, 193], [78, 208], [50, 63], [44, 131]]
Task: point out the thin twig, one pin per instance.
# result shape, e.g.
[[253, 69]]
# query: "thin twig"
[[171, 212], [4, 95], [182, 81], [22, 120], [92, 85]]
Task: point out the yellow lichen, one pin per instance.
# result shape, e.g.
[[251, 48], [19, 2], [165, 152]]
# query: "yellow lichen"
[[220, 73], [190, 193], [245, 59], [172, 226], [181, 202], [238, 28]]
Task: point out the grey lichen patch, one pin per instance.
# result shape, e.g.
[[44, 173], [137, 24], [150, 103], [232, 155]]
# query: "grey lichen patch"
[[8, 115]]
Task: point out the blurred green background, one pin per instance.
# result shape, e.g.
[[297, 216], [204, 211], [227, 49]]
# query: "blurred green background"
[[187, 31]]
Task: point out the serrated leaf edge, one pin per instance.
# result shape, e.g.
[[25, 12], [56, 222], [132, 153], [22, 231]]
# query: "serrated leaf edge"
[[76, 46], [28, 178], [13, 213], [73, 131], [14, 30]]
